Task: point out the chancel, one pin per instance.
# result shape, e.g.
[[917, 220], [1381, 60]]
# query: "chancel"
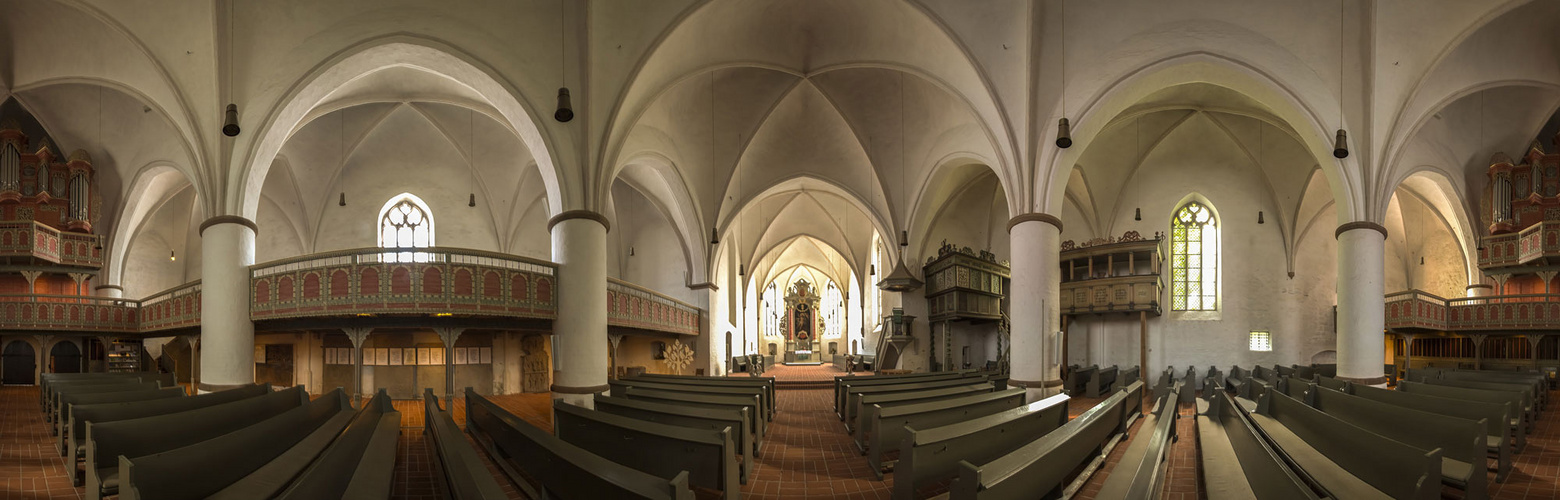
[[907, 249]]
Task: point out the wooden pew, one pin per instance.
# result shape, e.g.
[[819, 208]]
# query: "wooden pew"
[[1031, 467], [1533, 379], [696, 418], [1528, 405], [1078, 379], [1237, 460], [544, 466], [768, 383], [707, 456], [1140, 474], [51, 395], [1265, 374], [1344, 459], [841, 382], [1521, 419], [1326, 369], [1461, 441], [458, 473], [240, 452], [764, 409], [1332, 383], [930, 455], [1102, 383], [853, 393], [113, 412], [68, 393], [139, 437], [1284, 371], [1212, 380], [62, 425], [1188, 392], [1500, 435], [1236, 380], [883, 429], [1304, 372], [358, 464], [757, 424], [49, 379], [903, 398], [1129, 375]]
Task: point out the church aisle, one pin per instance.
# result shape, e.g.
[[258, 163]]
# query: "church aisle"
[[30, 465]]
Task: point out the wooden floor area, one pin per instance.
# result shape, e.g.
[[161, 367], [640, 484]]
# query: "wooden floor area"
[[806, 454]]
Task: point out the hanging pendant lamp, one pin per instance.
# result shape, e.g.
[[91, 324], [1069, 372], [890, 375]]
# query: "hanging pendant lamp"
[[900, 280]]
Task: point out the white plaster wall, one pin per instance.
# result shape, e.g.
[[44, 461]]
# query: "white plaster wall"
[[171, 227]]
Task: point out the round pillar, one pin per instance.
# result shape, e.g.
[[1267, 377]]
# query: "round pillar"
[[110, 291], [227, 353], [1036, 246], [579, 246], [1361, 302]]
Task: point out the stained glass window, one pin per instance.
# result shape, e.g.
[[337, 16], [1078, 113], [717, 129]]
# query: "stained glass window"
[[771, 311], [1194, 259], [833, 310]]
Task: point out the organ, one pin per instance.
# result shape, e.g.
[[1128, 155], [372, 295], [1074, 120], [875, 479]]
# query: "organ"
[[48, 204]]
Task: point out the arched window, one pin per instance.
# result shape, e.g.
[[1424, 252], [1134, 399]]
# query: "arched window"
[[771, 311], [874, 296], [833, 307], [1194, 259], [405, 222]]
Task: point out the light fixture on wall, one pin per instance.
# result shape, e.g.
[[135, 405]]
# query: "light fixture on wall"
[[1137, 214], [565, 111], [1259, 218], [172, 257]]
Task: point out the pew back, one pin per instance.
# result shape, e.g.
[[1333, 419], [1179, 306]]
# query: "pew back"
[[764, 409], [707, 457], [360, 462], [550, 467], [458, 472], [931, 455], [698, 418], [903, 398], [853, 393], [1461, 441], [755, 424], [1037, 466], [1385, 467], [64, 425], [1230, 442], [113, 412], [884, 429]]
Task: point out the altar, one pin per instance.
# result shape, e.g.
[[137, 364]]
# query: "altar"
[[800, 323]]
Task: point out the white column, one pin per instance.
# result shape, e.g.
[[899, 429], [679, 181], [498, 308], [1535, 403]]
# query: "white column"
[[579, 246], [227, 354], [1036, 245], [1361, 304]]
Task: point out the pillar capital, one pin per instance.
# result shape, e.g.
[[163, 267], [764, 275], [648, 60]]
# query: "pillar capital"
[[1035, 217], [358, 335], [449, 335], [228, 219], [579, 214], [1350, 226]]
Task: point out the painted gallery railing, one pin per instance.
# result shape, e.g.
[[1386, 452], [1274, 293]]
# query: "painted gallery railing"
[[633, 306], [1528, 245], [424, 281], [427, 281], [29, 239], [1417, 311]]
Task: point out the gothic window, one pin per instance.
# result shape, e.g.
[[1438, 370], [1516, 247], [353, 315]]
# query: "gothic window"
[[771, 311], [833, 309], [405, 222], [873, 314], [1194, 259]]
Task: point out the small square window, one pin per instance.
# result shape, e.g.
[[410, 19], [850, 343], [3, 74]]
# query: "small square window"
[[1261, 341]]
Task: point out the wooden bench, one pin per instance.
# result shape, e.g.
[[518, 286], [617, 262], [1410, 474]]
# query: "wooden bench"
[[1129, 376], [240, 453], [49, 379], [1521, 419], [140, 437], [764, 409], [842, 381], [1332, 383], [1500, 435], [1265, 374], [1461, 441], [866, 401], [544, 466], [1527, 398], [458, 473], [853, 393], [62, 425], [883, 428], [768, 383], [1028, 466], [66, 395], [358, 465], [51, 397], [756, 424], [931, 455], [1141, 471], [1078, 379], [1212, 380], [1304, 372], [1102, 383], [697, 418], [1237, 461], [1346, 460], [707, 457], [1534, 380], [113, 412]]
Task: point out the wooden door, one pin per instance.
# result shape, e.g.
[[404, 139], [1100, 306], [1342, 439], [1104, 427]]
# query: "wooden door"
[[536, 365]]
